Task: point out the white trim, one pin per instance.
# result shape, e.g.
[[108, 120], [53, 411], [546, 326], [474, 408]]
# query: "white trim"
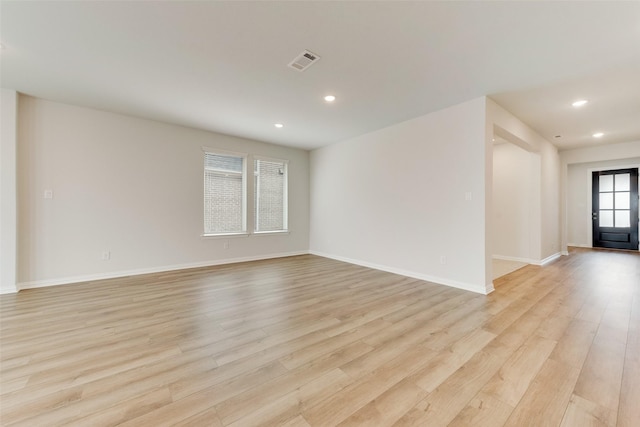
[[95, 277], [515, 259], [285, 192], [103, 276], [565, 253], [529, 260], [270, 159], [266, 233], [550, 258], [223, 235], [244, 183], [433, 279], [222, 152], [4, 291], [579, 245]]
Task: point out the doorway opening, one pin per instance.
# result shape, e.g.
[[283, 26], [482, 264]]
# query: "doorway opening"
[[515, 190]]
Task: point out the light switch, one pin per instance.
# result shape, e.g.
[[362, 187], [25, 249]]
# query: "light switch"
[[467, 196], [48, 194]]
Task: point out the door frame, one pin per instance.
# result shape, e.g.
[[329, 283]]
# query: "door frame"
[[588, 211]]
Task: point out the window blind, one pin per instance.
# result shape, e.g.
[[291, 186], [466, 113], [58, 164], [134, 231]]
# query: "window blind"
[[270, 195], [224, 203]]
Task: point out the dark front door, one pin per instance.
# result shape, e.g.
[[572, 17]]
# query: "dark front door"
[[615, 209]]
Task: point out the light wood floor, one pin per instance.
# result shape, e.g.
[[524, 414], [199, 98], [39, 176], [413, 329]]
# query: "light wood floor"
[[307, 341], [503, 267]]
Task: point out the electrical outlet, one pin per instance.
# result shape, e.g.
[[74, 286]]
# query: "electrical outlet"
[[443, 259], [106, 255], [226, 244]]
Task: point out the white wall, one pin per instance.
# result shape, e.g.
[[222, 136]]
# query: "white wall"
[[550, 200], [8, 196], [577, 166], [132, 187], [394, 199], [625, 150], [514, 180], [545, 195]]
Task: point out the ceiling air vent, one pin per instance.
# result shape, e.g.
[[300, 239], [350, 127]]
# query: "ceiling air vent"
[[304, 61]]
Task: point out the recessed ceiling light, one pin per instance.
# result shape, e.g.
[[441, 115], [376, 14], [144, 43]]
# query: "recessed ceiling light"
[[598, 135], [579, 103], [329, 98], [279, 125]]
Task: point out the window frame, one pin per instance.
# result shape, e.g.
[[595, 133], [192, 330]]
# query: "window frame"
[[245, 161], [285, 196]]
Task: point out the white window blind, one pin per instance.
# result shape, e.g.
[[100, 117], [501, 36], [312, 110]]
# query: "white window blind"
[[224, 194], [270, 195]]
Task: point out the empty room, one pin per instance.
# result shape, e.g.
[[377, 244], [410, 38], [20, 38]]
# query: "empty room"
[[319, 213]]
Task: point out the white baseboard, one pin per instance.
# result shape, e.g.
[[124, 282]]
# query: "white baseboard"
[[8, 291], [515, 259], [438, 280], [529, 260], [550, 258], [136, 272], [490, 288], [112, 275], [579, 245]]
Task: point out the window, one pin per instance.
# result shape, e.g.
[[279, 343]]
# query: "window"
[[270, 195], [224, 193]]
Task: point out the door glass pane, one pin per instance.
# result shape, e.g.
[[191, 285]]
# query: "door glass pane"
[[606, 218], [606, 200], [622, 182], [606, 183], [623, 219], [622, 200]]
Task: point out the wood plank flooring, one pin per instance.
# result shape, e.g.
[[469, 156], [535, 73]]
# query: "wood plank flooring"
[[308, 341]]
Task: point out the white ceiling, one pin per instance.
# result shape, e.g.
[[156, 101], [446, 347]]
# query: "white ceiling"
[[222, 66]]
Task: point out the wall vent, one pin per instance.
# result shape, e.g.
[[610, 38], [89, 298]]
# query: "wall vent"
[[304, 60]]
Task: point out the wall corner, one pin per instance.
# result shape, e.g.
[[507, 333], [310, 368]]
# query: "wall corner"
[[8, 191]]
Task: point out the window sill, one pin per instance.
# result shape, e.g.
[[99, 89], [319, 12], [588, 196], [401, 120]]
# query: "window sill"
[[266, 233], [223, 235]]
